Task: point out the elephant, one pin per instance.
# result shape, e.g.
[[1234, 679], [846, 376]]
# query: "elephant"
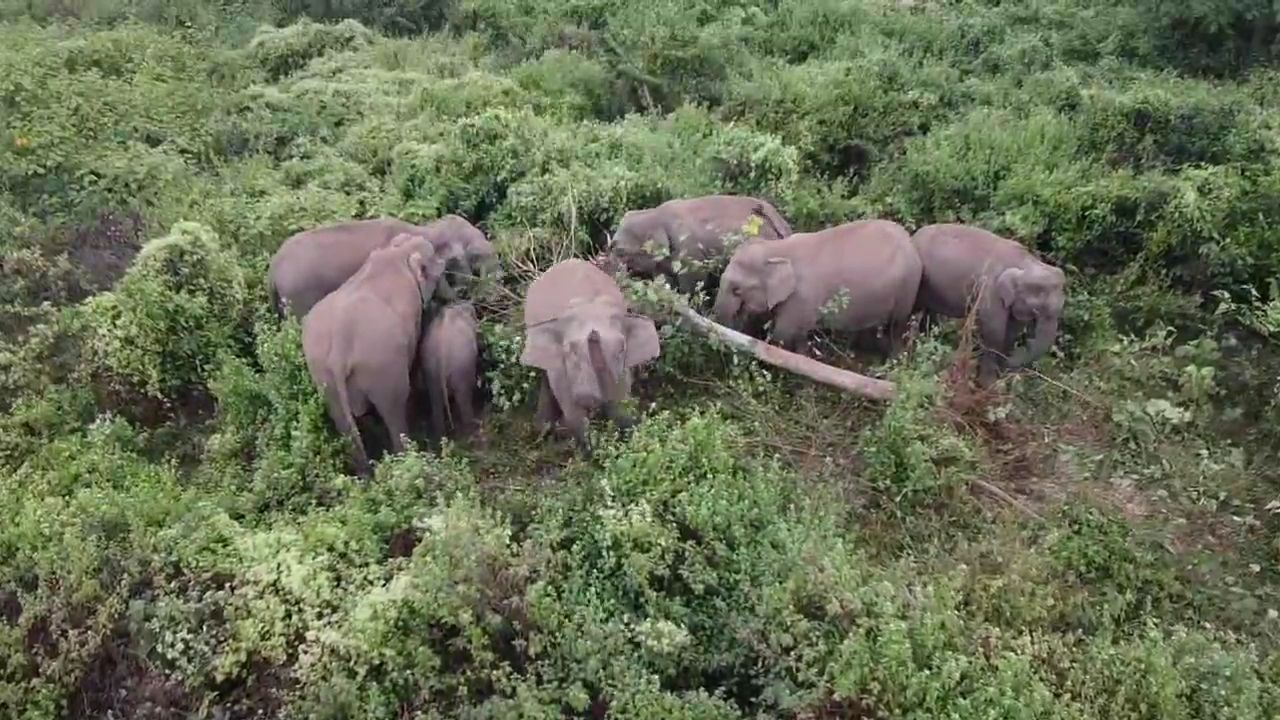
[[966, 266], [857, 277], [684, 240], [360, 341], [580, 333], [447, 357], [311, 264]]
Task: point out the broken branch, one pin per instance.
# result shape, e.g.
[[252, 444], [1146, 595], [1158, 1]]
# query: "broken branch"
[[852, 382]]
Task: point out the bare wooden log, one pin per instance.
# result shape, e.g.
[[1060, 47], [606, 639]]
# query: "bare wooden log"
[[852, 382]]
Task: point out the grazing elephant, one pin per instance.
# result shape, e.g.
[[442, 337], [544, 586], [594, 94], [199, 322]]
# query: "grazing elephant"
[[579, 331], [1017, 290], [447, 357], [313, 263], [360, 341], [691, 232], [858, 276]]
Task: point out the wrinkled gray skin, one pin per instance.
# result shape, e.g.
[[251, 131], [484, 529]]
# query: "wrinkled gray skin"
[[447, 357], [871, 263], [579, 331], [1021, 291], [360, 341], [692, 231], [313, 263]]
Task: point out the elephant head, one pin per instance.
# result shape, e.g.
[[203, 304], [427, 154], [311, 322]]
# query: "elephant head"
[[1032, 293], [425, 264], [594, 344], [642, 243], [467, 253], [753, 284]]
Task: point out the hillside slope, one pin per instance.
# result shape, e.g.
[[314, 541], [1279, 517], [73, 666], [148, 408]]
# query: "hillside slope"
[[179, 531]]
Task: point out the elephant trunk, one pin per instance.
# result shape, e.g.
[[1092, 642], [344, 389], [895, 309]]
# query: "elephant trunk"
[[588, 391], [1046, 332], [444, 290], [728, 307]]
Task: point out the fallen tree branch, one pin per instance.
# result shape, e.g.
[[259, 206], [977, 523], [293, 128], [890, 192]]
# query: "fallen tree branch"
[[852, 382]]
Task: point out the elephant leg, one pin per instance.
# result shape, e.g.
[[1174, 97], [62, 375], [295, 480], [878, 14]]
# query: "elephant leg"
[[791, 326], [548, 408], [436, 398], [463, 391], [896, 336], [390, 400], [577, 422], [347, 426], [1011, 332], [613, 410], [993, 332]]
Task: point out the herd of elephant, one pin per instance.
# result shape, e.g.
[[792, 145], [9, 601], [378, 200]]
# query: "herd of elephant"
[[383, 314]]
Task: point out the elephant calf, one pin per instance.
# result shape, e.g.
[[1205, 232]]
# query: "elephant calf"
[[967, 266], [447, 358], [690, 232], [857, 276], [579, 331], [360, 341], [311, 264]]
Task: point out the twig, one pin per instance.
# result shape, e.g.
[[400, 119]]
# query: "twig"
[[1001, 495]]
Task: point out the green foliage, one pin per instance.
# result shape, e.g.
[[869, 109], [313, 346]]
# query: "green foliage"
[[163, 327], [758, 545], [911, 451], [283, 51], [274, 434], [511, 384]]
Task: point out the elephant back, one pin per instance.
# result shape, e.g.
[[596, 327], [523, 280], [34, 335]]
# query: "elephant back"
[[565, 284], [952, 241]]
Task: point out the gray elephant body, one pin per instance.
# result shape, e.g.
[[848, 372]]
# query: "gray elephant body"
[[313, 263], [447, 357], [579, 332], [684, 240], [360, 341], [859, 276], [1012, 289]]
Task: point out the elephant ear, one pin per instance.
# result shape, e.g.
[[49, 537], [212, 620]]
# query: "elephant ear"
[[779, 281], [642, 339], [1007, 286], [542, 347]]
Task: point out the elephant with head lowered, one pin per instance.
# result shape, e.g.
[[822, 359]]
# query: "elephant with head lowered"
[[857, 277], [684, 240], [311, 264], [578, 330], [361, 340], [966, 266]]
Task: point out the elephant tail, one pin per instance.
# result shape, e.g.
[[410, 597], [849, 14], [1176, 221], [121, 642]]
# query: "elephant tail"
[[781, 227], [444, 399], [349, 419]]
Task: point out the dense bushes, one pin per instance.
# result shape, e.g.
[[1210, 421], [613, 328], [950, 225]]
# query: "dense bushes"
[[757, 546], [180, 305]]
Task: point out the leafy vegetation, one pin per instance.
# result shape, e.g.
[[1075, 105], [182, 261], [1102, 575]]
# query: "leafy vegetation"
[[180, 534]]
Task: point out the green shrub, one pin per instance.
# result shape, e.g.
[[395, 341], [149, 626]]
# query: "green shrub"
[[1159, 121], [400, 17], [284, 51], [176, 310], [845, 116], [274, 435], [570, 85], [912, 454], [512, 385]]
